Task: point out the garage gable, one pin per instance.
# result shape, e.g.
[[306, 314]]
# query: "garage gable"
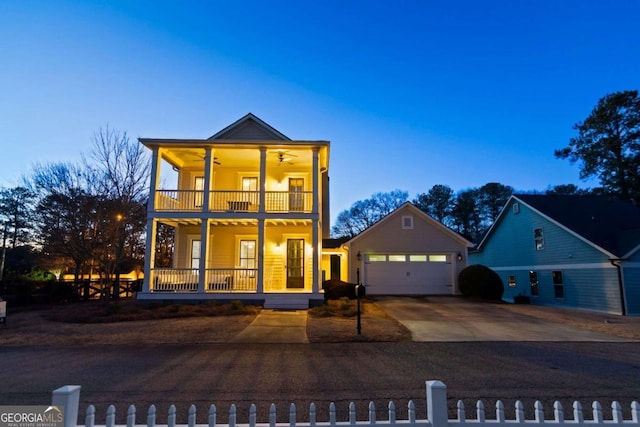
[[408, 229], [407, 253]]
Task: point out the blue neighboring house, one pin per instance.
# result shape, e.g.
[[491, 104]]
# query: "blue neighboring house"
[[571, 251]]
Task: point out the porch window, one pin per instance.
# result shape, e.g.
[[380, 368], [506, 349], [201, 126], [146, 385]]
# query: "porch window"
[[512, 281], [249, 183], [558, 284], [248, 254], [195, 253], [198, 186]]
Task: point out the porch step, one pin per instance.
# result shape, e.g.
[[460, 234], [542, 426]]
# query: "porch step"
[[286, 302]]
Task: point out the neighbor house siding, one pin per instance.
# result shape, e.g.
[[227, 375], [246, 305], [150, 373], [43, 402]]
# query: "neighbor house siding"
[[590, 281], [631, 274]]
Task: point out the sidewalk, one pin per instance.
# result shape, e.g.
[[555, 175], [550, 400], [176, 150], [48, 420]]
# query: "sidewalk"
[[274, 326]]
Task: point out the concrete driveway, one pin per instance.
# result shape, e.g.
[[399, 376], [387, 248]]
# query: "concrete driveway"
[[459, 320]]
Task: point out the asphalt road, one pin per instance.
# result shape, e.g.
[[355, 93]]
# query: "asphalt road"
[[302, 373]]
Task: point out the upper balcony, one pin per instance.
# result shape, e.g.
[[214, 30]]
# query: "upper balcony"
[[233, 201]]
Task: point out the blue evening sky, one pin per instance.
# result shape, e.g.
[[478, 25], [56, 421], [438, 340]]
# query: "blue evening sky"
[[410, 93]]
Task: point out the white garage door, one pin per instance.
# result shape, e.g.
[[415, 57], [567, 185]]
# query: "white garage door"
[[408, 274]]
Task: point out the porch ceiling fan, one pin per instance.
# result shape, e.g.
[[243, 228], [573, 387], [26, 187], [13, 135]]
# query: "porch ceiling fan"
[[285, 157], [200, 158]]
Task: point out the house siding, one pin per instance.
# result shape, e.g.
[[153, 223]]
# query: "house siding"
[[590, 281]]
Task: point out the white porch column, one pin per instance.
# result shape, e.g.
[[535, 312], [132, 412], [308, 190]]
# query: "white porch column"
[[150, 248], [260, 278], [316, 182], [263, 178], [154, 178], [315, 286], [204, 255], [149, 254], [207, 178]]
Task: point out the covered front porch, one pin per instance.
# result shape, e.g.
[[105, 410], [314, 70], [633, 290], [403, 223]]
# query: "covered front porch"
[[238, 258]]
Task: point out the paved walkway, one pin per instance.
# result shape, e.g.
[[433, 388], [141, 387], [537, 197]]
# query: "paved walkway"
[[459, 320], [275, 326]]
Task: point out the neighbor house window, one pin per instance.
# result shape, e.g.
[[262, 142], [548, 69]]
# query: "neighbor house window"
[[533, 282], [558, 284], [512, 281], [407, 222], [538, 237], [195, 254]]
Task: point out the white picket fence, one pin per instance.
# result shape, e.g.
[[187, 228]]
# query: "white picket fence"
[[69, 397]]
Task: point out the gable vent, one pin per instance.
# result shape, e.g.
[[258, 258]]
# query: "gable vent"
[[516, 208]]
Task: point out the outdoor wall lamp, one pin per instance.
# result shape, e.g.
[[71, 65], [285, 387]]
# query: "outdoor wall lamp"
[[359, 256], [459, 256]]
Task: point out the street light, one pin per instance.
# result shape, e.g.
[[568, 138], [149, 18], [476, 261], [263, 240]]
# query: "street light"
[[118, 255]]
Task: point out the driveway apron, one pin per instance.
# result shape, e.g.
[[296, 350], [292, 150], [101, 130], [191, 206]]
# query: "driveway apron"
[[275, 326], [458, 320]]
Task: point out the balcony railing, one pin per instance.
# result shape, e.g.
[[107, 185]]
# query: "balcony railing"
[[216, 279], [231, 279], [234, 201], [174, 279]]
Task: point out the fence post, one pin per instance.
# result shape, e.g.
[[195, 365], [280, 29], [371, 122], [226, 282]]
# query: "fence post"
[[68, 397], [437, 404]]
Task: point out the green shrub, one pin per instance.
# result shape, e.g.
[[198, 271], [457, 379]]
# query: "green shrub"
[[336, 289], [481, 282], [345, 303], [236, 305]]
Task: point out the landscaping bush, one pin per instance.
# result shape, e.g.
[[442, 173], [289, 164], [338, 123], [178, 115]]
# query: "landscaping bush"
[[481, 282], [336, 289]]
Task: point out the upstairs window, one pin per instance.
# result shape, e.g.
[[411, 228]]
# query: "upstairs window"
[[538, 238], [198, 196], [249, 183]]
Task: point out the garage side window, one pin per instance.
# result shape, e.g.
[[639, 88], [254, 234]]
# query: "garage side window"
[[377, 258], [417, 258], [397, 258]]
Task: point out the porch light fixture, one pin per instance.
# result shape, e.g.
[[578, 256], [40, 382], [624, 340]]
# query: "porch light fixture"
[[359, 256], [459, 256]]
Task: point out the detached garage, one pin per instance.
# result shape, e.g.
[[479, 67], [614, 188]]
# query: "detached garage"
[[408, 253]]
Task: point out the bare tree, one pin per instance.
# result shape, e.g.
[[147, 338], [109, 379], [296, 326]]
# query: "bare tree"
[[122, 169], [364, 213]]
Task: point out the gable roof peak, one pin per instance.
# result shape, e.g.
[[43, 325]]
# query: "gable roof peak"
[[250, 127]]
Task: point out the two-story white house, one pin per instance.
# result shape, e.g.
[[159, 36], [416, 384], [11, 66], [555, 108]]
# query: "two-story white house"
[[249, 210]]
